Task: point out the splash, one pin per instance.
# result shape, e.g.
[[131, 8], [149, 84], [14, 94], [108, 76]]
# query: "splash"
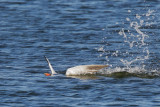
[[132, 52], [120, 72], [135, 37]]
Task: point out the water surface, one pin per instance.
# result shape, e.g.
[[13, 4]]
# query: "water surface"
[[123, 34]]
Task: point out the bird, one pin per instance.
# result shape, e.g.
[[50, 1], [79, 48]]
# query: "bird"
[[77, 70]]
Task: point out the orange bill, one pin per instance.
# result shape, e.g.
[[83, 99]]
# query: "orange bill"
[[47, 74]]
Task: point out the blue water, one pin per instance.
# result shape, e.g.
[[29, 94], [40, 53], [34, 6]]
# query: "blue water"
[[79, 32]]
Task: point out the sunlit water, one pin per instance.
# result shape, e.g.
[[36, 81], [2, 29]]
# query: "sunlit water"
[[123, 34]]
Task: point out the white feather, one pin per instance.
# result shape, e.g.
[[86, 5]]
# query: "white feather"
[[84, 69], [50, 66]]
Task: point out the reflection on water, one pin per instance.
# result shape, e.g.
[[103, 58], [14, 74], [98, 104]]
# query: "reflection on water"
[[85, 77]]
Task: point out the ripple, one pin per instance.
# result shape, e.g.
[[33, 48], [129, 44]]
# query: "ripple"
[[68, 32]]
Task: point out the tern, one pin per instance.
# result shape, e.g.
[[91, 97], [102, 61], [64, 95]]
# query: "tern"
[[77, 70]]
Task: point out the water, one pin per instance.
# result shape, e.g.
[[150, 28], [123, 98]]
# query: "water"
[[123, 34]]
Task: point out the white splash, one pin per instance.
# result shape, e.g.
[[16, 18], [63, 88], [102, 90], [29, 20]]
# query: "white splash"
[[135, 37], [129, 11], [149, 12], [134, 71]]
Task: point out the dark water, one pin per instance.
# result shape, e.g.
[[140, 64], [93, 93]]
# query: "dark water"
[[77, 32]]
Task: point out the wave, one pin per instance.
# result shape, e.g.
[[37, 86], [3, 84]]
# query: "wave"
[[129, 72]]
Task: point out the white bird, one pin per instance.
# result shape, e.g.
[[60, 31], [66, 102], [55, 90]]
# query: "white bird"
[[77, 70]]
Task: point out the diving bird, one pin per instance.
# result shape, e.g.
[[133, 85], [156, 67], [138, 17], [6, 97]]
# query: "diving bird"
[[77, 70]]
